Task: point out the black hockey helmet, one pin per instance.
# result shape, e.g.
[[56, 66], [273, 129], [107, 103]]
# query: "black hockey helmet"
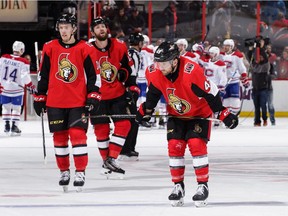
[[97, 21], [166, 51], [135, 38], [66, 18]]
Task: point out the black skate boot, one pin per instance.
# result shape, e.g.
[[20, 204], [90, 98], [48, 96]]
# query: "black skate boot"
[[131, 156], [64, 179], [177, 195], [200, 198], [162, 123], [112, 170], [7, 127], [15, 131], [79, 181]]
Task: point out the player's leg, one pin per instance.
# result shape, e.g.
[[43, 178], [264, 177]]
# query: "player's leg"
[[15, 115], [58, 126], [176, 152], [78, 140], [6, 112]]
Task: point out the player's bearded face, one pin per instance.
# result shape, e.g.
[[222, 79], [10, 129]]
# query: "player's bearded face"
[[101, 32], [164, 67]]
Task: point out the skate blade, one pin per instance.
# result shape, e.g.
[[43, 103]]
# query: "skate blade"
[[177, 203], [126, 158], [111, 175], [79, 189], [65, 189], [201, 203], [15, 134]]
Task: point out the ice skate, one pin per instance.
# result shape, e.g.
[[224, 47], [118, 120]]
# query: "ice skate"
[[177, 196], [131, 156], [112, 170], [15, 131], [7, 128], [64, 180], [79, 181], [162, 123], [200, 198]]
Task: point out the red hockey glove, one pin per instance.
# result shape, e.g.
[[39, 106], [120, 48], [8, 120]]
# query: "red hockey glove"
[[93, 101], [244, 80], [230, 120], [40, 104], [1, 88], [143, 115], [122, 75], [31, 88], [132, 94]]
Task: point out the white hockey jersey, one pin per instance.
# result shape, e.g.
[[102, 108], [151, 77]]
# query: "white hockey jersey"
[[216, 72], [147, 57], [15, 74], [234, 65]]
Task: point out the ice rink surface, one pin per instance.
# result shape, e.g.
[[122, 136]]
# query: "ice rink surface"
[[248, 176]]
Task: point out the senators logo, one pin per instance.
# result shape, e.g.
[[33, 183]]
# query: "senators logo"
[[179, 105], [67, 72], [108, 71]]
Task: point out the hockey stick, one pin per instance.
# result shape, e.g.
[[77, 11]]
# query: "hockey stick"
[[207, 32], [133, 116], [36, 55], [43, 136]]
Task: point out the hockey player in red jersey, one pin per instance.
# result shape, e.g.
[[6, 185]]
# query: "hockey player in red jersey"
[[68, 89], [188, 94], [117, 87]]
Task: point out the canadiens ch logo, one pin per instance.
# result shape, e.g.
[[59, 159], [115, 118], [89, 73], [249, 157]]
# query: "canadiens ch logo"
[[67, 72], [179, 105]]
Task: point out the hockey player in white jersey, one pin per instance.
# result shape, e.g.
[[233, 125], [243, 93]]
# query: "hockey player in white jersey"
[[236, 72], [215, 71], [15, 75], [182, 46], [147, 56]]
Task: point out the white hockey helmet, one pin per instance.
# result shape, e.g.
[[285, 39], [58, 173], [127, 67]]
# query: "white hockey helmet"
[[182, 41], [18, 46], [229, 42], [214, 52], [146, 40]]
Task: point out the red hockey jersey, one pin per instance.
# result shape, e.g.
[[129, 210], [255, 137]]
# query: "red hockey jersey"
[[109, 60], [187, 95], [67, 73]]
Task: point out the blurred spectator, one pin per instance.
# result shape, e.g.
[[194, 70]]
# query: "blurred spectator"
[[271, 9], [260, 71], [283, 66], [127, 5], [32, 64], [281, 22], [272, 57], [119, 23], [170, 13], [195, 6], [136, 22]]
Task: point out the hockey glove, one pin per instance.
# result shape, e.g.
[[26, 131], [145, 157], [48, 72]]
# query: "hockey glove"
[[143, 115], [93, 101], [244, 80], [122, 75], [230, 120], [40, 104], [31, 88], [132, 95]]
